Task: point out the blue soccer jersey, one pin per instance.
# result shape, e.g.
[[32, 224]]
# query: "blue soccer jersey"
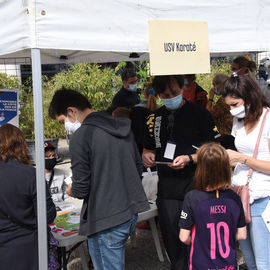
[[213, 221]]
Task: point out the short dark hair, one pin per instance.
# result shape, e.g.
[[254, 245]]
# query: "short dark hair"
[[160, 83], [128, 73], [244, 87], [65, 98], [213, 168]]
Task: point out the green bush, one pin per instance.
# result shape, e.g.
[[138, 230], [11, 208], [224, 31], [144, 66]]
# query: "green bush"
[[205, 80], [9, 82], [52, 128], [96, 84]]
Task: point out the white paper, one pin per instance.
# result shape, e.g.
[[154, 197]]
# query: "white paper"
[[266, 216], [169, 151]]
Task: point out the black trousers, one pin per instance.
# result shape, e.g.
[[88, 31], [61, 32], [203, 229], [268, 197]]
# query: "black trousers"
[[169, 213]]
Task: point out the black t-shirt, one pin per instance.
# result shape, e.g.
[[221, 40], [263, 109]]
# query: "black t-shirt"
[[125, 98], [138, 115], [213, 223], [191, 125]]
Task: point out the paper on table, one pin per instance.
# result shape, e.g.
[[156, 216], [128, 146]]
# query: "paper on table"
[[266, 216], [66, 207]]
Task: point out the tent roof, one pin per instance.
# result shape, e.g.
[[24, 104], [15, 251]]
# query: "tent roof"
[[109, 30]]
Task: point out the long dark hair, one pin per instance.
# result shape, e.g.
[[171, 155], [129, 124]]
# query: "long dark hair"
[[244, 87], [13, 144]]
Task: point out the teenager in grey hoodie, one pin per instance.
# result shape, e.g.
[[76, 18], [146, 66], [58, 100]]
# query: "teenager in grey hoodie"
[[106, 169]]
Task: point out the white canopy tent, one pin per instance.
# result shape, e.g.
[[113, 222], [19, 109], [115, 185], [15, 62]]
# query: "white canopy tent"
[[67, 31], [108, 30]]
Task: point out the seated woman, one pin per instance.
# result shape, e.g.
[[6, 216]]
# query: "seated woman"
[[18, 203]]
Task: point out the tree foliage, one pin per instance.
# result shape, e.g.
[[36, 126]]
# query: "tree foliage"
[[96, 84]]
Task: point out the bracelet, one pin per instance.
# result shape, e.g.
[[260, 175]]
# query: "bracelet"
[[210, 99], [245, 161], [191, 161]]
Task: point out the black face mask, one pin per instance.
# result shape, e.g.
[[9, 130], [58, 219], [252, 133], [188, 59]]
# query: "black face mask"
[[50, 163]]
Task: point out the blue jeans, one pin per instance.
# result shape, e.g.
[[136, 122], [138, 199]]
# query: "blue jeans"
[[256, 248], [107, 248]]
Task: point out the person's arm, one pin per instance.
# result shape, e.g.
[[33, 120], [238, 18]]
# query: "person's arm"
[[148, 157], [184, 236], [80, 165], [181, 162], [256, 164], [241, 233]]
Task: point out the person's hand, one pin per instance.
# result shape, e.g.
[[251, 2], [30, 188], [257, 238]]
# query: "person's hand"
[[148, 159], [179, 162], [68, 190], [235, 157]]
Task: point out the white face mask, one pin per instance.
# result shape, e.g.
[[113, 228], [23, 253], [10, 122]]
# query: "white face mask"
[[72, 127], [238, 112]]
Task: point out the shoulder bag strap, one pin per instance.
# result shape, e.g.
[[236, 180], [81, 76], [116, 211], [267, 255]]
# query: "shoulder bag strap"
[[15, 221], [257, 143]]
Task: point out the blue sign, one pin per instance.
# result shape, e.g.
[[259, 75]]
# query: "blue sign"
[[8, 106]]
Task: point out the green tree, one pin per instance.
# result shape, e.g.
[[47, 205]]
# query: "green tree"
[[52, 128], [97, 84], [9, 82], [205, 80]]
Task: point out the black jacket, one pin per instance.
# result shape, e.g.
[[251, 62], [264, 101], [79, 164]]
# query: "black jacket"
[[125, 98], [106, 169], [18, 199]]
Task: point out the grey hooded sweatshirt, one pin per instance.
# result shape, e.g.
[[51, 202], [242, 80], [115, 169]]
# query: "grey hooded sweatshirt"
[[106, 169]]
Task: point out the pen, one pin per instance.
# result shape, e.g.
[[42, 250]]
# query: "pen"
[[196, 147]]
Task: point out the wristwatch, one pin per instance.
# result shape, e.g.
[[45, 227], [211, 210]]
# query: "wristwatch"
[[191, 161]]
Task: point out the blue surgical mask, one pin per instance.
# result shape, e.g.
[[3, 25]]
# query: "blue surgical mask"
[[132, 87], [173, 103], [185, 82]]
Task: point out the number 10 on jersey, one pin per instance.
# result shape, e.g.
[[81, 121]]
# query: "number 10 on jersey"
[[215, 235]]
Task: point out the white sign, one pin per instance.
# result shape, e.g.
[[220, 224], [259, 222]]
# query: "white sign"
[[178, 47]]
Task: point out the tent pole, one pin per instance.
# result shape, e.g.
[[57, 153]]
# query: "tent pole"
[[40, 163]]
